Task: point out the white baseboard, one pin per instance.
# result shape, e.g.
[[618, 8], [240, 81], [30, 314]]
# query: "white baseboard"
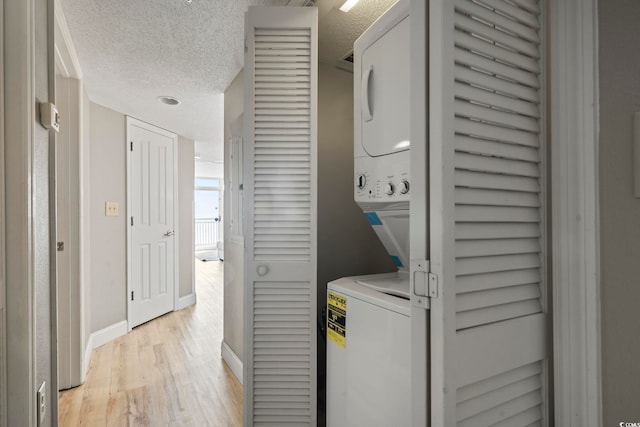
[[232, 360], [87, 358], [109, 333], [186, 301]]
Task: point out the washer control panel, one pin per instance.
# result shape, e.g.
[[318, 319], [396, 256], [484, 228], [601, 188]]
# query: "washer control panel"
[[383, 179], [381, 187]]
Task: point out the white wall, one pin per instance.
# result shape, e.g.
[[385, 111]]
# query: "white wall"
[[108, 234], [205, 169], [185, 215], [619, 210]]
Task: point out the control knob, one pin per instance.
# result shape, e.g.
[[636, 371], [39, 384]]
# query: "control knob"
[[389, 189], [404, 186], [361, 181]]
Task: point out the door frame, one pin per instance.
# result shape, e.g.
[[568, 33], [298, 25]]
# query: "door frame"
[[18, 67], [573, 90], [3, 290], [176, 271], [419, 214]]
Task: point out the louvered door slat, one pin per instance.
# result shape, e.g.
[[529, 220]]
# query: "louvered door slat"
[[504, 411], [505, 39], [474, 196], [280, 113], [465, 178], [488, 97], [467, 249], [470, 161], [492, 82], [497, 52], [494, 398], [495, 116], [500, 21], [500, 296], [496, 280], [469, 144], [497, 382], [490, 131], [514, 12], [532, 6], [488, 65], [493, 214], [470, 231], [466, 266]]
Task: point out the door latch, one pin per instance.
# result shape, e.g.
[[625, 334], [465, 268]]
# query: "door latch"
[[60, 246]]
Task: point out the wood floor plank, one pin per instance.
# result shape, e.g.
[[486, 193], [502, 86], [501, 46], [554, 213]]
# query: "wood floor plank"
[[167, 372]]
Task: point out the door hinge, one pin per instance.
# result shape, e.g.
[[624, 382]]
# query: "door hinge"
[[131, 295], [132, 221], [424, 284], [131, 145], [434, 284], [246, 46]]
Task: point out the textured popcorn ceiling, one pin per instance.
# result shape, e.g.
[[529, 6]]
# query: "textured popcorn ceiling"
[[338, 30], [132, 51]]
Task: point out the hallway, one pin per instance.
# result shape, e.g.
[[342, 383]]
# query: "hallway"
[[165, 372]]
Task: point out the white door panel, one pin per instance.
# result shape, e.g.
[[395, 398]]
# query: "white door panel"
[[151, 210], [280, 216], [487, 213]]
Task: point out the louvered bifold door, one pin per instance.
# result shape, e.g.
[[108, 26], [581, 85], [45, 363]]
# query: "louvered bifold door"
[[493, 307], [280, 84]]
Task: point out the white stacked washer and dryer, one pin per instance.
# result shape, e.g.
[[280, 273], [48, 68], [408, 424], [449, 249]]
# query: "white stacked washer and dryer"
[[368, 322]]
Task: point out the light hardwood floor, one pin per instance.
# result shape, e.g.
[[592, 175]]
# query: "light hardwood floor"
[[167, 372]]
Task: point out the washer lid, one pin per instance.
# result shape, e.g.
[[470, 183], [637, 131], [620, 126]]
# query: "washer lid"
[[397, 285], [349, 286]]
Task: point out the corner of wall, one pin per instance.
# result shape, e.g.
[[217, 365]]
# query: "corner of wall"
[[186, 301]]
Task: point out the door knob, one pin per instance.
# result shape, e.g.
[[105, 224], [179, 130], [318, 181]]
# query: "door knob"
[[262, 270], [169, 233]]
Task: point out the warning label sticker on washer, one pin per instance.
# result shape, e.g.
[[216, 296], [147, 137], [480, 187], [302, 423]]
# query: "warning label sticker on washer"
[[337, 318]]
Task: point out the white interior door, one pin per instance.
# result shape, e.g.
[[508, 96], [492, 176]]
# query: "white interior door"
[[152, 216], [68, 255], [487, 193], [280, 87]]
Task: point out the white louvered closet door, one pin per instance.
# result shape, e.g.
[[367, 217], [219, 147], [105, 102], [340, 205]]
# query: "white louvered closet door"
[[280, 83], [488, 324]]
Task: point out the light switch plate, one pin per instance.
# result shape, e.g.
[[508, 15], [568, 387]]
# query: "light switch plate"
[[111, 209]]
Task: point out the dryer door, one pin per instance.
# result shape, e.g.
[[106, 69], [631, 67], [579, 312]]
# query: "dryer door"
[[384, 92]]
